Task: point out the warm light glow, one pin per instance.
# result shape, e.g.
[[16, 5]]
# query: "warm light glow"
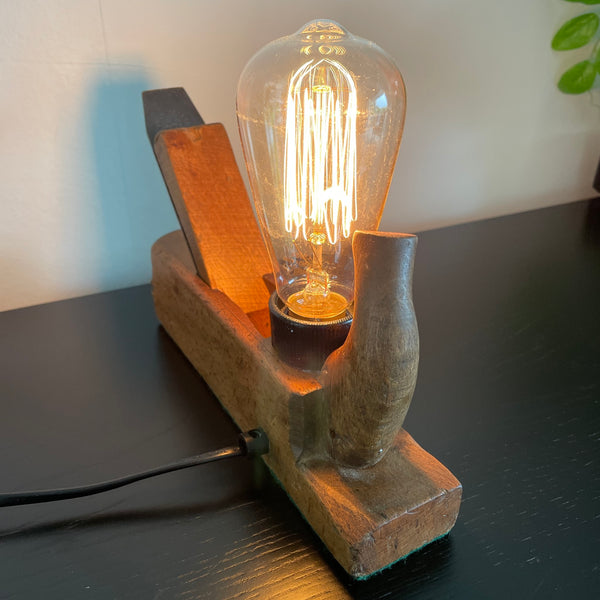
[[320, 114], [320, 152]]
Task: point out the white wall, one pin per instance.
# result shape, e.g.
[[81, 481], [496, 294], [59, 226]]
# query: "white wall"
[[81, 200]]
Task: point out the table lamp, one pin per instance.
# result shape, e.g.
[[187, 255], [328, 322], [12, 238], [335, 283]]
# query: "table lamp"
[[326, 363]]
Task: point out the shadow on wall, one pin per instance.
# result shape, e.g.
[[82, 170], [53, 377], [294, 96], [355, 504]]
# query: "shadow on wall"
[[133, 207]]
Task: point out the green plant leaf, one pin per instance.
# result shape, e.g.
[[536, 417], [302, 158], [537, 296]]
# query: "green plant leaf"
[[585, 1], [576, 33], [578, 79]]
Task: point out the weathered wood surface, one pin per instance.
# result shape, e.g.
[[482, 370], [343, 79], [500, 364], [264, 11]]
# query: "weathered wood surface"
[[212, 205], [220, 340], [385, 512], [370, 380], [368, 518]]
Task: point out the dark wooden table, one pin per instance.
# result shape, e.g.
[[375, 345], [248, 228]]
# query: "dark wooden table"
[[508, 398]]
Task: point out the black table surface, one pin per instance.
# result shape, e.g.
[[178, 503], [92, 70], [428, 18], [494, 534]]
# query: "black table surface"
[[507, 398]]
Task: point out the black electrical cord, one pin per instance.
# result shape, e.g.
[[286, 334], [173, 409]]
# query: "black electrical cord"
[[250, 443]]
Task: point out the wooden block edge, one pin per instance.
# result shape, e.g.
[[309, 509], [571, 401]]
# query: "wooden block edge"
[[365, 541], [443, 509]]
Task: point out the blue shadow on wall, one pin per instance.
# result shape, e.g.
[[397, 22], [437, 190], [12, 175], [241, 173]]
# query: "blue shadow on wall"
[[132, 204]]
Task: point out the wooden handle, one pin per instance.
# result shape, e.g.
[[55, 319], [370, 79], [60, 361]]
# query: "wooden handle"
[[370, 380]]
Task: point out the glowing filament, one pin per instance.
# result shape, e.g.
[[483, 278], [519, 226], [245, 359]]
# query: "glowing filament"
[[320, 152]]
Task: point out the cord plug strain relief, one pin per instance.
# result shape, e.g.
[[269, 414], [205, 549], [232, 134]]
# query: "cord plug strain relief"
[[254, 442]]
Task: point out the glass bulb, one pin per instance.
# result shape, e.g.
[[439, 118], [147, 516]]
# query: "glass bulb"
[[320, 114]]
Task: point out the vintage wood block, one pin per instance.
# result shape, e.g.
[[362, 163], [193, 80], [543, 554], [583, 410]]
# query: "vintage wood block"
[[369, 517], [212, 205]]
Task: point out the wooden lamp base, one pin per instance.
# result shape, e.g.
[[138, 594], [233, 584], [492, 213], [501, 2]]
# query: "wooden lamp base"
[[368, 518], [336, 445]]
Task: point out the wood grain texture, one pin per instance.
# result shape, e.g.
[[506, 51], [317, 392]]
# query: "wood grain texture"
[[367, 518], [237, 362], [370, 380], [385, 512], [212, 205]]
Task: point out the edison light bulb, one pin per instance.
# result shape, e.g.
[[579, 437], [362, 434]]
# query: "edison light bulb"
[[320, 114]]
